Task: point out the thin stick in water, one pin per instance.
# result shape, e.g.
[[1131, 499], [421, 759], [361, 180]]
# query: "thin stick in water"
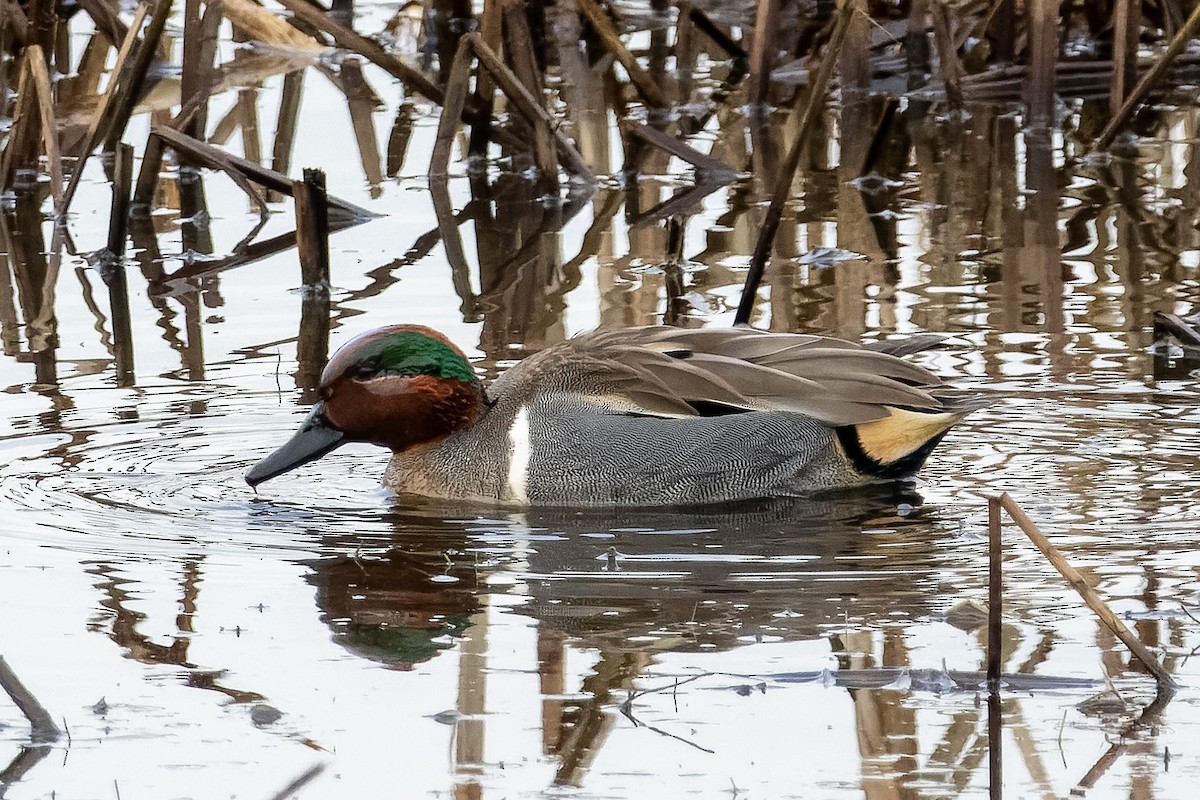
[[45, 101], [1089, 595], [1042, 17], [241, 169], [763, 50], [17, 150], [948, 63], [677, 148], [995, 593], [299, 783], [312, 240], [457, 87], [312, 228]]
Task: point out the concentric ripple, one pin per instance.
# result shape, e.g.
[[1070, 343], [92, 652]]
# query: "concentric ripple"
[[167, 481]]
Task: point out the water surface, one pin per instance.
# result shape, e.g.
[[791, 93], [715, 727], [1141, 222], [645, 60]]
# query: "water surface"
[[801, 648]]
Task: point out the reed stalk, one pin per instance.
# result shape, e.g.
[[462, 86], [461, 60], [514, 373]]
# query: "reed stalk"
[[783, 183]]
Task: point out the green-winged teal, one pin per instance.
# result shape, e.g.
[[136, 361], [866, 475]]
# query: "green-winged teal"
[[637, 416]]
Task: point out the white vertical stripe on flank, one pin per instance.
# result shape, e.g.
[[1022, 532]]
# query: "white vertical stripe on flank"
[[518, 464]]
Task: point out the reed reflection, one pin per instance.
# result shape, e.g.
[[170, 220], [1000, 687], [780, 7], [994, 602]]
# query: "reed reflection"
[[35, 277]]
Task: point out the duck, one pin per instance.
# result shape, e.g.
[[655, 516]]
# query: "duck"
[[640, 416]]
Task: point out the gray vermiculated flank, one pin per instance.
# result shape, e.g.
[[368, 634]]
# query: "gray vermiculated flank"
[[581, 457]]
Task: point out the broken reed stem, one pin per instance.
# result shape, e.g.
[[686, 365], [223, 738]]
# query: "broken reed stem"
[[240, 169], [312, 241], [45, 102], [42, 724], [1127, 23], [948, 64], [17, 149], [1149, 80], [190, 78], [679, 149], [112, 266], [529, 107], [197, 79], [1042, 18], [457, 87], [133, 81], [102, 110], [995, 593], [118, 221], [783, 185], [1089, 595], [647, 88], [312, 228]]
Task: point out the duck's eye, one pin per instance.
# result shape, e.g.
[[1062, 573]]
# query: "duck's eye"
[[364, 370]]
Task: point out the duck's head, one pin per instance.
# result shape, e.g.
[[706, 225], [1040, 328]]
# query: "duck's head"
[[399, 386]]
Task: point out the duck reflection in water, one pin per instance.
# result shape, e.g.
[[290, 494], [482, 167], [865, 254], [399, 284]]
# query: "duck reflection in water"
[[632, 584], [793, 566]]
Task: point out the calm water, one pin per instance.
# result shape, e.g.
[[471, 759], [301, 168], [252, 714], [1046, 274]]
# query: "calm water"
[[788, 649]]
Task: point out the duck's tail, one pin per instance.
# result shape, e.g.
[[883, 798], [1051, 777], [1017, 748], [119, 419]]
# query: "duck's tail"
[[896, 446]]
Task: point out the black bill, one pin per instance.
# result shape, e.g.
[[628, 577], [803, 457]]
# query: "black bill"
[[315, 438]]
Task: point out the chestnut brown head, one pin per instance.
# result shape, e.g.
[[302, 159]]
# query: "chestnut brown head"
[[398, 387]]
